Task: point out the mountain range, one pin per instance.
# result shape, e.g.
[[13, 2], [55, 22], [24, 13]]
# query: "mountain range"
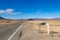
[[31, 19]]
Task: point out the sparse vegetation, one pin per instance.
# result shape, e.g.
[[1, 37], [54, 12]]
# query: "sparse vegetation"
[[53, 32], [8, 21], [52, 35]]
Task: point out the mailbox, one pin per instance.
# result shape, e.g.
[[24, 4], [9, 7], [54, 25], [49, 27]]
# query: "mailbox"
[[42, 23]]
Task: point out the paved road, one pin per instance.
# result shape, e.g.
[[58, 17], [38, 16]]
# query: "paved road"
[[7, 29]]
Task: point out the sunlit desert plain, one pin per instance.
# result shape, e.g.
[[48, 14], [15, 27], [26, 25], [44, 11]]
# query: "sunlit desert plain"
[[31, 30]]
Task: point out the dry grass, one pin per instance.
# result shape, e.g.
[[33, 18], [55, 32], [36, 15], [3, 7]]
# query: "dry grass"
[[8, 21]]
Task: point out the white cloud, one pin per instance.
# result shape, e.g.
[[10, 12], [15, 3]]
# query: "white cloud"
[[19, 12], [9, 11], [38, 11], [2, 11]]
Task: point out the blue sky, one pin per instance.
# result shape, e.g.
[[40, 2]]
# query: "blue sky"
[[19, 9]]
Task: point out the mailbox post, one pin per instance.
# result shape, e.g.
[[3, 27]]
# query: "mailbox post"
[[40, 25], [46, 25], [47, 29]]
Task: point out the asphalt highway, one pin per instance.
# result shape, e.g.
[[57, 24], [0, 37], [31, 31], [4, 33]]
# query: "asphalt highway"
[[7, 29]]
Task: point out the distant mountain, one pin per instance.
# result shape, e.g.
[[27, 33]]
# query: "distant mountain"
[[44, 19], [2, 18], [57, 18], [31, 19]]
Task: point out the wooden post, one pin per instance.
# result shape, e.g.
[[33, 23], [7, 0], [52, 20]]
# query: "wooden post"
[[39, 28], [47, 29]]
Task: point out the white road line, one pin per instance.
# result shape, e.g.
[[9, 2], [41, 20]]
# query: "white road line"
[[15, 32]]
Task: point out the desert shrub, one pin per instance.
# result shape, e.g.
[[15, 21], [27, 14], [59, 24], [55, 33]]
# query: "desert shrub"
[[58, 35], [53, 32], [8, 21], [52, 35], [20, 34]]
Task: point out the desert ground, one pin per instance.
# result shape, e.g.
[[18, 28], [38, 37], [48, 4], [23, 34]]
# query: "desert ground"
[[31, 30]]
